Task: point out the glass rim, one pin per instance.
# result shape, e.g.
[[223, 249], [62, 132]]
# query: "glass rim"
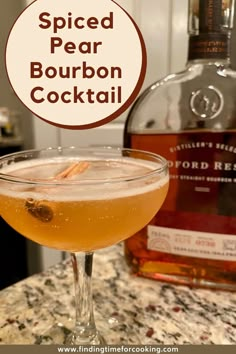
[[7, 177]]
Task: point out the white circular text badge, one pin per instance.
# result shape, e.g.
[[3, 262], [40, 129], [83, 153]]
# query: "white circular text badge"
[[76, 63]]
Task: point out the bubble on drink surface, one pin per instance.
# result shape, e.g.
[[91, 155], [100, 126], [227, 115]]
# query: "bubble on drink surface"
[[122, 177]]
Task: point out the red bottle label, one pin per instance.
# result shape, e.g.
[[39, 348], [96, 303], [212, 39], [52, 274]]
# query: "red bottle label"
[[202, 192]]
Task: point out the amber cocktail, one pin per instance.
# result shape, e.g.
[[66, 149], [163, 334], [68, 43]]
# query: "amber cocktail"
[[80, 200]]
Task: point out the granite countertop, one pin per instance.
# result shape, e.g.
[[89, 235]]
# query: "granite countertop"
[[151, 312]]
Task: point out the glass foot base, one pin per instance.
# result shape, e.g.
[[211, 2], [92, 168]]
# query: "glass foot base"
[[112, 331], [72, 339]]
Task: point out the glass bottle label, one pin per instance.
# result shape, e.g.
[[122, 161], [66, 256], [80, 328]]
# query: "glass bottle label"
[[191, 243], [202, 193]]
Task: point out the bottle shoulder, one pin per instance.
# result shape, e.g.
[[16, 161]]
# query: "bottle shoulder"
[[228, 73], [195, 73], [199, 96]]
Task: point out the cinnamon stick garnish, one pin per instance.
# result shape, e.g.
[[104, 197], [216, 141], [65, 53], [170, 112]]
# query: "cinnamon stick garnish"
[[73, 170], [42, 209]]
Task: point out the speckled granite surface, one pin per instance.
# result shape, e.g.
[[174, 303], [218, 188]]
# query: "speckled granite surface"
[[154, 313]]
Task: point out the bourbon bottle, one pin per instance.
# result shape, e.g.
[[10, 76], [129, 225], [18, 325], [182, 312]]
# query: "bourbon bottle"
[[190, 119]]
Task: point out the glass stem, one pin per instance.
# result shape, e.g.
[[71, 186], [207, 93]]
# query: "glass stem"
[[85, 329]]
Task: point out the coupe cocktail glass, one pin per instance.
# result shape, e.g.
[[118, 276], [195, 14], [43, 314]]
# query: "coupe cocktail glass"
[[80, 200]]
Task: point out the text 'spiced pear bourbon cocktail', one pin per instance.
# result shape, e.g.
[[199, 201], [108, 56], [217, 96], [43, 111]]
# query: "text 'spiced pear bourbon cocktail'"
[[74, 207]]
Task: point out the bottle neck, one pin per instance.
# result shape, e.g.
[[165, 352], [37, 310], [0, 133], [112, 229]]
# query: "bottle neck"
[[210, 25], [210, 46]]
